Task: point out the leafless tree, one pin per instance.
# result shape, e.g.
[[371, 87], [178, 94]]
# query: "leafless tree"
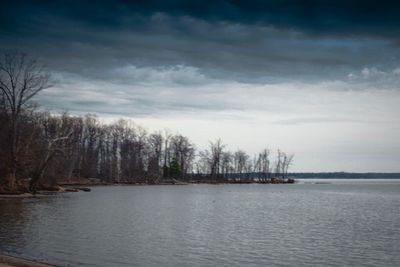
[[56, 132], [155, 141], [287, 162], [264, 164], [240, 161], [279, 163], [21, 78], [183, 152], [227, 164], [216, 151]]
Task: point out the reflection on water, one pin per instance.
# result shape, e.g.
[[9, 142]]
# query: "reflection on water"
[[337, 224]]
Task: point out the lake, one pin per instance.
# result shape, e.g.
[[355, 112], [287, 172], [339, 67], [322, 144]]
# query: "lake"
[[343, 223]]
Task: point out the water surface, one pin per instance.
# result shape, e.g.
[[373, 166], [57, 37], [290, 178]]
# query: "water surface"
[[343, 223]]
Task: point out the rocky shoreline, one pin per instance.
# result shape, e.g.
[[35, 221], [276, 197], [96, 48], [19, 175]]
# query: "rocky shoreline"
[[12, 261], [84, 186]]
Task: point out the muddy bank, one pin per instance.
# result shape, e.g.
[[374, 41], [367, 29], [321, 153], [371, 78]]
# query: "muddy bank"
[[44, 193], [23, 195], [11, 261]]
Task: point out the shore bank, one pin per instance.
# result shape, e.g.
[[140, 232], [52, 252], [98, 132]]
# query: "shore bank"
[[85, 187], [11, 261], [23, 195]]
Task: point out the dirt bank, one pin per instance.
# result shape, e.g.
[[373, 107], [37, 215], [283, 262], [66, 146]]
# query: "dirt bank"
[[10, 261]]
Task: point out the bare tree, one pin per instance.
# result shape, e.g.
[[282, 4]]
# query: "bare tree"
[[183, 152], [155, 141], [264, 164], [56, 132], [287, 162], [216, 149], [240, 162], [278, 163], [21, 78], [226, 164]]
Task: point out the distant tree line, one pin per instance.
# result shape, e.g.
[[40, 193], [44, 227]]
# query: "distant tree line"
[[220, 165], [39, 148], [344, 175]]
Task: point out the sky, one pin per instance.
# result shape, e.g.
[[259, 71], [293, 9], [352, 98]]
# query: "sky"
[[319, 79]]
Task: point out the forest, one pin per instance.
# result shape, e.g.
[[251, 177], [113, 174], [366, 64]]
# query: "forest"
[[41, 149]]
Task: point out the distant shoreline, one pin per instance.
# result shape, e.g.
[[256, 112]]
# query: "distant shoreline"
[[344, 175], [348, 178]]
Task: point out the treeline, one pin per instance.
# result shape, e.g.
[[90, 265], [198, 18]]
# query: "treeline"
[[65, 147], [38, 148], [61, 148], [219, 164]]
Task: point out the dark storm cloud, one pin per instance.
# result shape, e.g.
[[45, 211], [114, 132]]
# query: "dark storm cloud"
[[324, 17], [313, 16], [310, 76], [250, 41]]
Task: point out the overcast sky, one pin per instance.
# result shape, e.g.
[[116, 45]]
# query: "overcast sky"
[[314, 79]]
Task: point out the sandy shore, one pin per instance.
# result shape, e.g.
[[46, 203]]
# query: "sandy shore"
[[10, 261]]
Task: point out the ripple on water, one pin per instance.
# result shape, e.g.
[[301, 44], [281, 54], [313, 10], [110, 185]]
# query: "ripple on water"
[[206, 225]]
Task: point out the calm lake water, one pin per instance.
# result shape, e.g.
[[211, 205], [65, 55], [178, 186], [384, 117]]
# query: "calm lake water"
[[345, 223]]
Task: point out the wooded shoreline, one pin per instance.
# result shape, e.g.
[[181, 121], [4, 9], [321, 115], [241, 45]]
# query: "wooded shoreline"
[[39, 148]]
